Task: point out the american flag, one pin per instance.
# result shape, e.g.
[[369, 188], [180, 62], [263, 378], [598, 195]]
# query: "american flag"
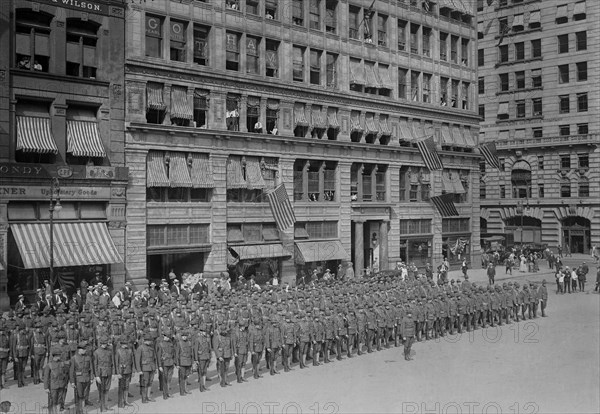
[[429, 153], [489, 152], [445, 205], [281, 207]]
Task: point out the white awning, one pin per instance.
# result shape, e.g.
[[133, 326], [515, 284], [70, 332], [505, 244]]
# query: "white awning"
[[534, 16], [562, 11], [518, 21], [579, 8], [503, 108]]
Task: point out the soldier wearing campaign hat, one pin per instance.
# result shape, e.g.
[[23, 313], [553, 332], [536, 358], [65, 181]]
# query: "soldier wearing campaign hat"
[[146, 362], [20, 350], [39, 351], [241, 347], [56, 378], [103, 368], [202, 353], [165, 356], [184, 357], [81, 376], [124, 367]]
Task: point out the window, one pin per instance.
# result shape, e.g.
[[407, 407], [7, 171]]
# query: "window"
[[520, 79], [315, 67], [582, 102], [581, 71], [232, 117], [402, 75], [580, 41], [201, 44], [415, 226], [454, 94], [252, 7], [444, 49], [414, 86], [331, 62], [582, 129], [503, 27], [502, 191], [520, 109], [503, 51], [252, 55], [502, 162], [584, 188], [331, 16], [315, 14], [177, 41], [37, 113], [579, 11], [382, 30], [321, 229], [81, 48], [465, 95], [482, 191], [232, 4], [480, 5], [518, 23], [562, 14], [271, 7], [444, 91], [232, 51], [464, 60], [298, 12], [563, 43], [154, 33], [401, 35], [32, 40], [426, 87], [177, 235], [540, 162], [536, 48], [583, 160], [155, 107], [482, 167], [519, 51], [537, 106], [481, 85], [541, 190], [354, 23], [272, 58], [454, 49], [314, 180], [253, 115], [272, 116], [563, 74], [482, 112], [534, 19], [536, 78], [201, 100], [298, 64], [565, 188], [563, 104], [564, 130], [504, 86], [426, 41], [414, 38], [565, 162], [537, 132]]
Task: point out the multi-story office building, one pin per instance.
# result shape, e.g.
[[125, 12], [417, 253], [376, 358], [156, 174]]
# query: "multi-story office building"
[[539, 99], [228, 99], [62, 105]]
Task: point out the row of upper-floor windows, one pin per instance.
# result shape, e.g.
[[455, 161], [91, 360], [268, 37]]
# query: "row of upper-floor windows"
[[562, 130], [565, 189], [562, 161], [518, 108], [562, 11], [36, 45]]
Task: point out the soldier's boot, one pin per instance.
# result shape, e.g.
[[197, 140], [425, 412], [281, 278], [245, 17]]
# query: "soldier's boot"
[[160, 381], [244, 374], [148, 397], [326, 355], [182, 386], [121, 397]]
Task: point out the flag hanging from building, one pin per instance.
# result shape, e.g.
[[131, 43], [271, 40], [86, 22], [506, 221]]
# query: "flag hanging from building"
[[489, 152], [282, 209], [445, 205], [429, 153]]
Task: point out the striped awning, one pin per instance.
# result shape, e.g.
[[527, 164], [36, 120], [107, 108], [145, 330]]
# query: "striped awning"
[[83, 139], [181, 107], [34, 135], [154, 97], [332, 119], [254, 176], [260, 251], [355, 125], [405, 133], [320, 251], [457, 136], [201, 173], [156, 171], [446, 136], [371, 127], [417, 127], [235, 177], [299, 116], [357, 72], [372, 81], [179, 173], [317, 118], [384, 128], [384, 78], [75, 244]]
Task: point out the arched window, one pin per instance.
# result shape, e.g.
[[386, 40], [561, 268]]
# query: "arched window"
[[32, 40], [520, 177], [82, 37]]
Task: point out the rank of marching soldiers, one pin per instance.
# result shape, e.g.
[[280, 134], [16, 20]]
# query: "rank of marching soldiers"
[[525, 332]]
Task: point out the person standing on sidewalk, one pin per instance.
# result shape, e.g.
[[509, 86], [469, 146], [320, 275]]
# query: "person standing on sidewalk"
[[491, 273], [543, 297]]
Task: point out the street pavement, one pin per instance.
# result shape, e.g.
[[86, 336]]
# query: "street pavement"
[[543, 365]]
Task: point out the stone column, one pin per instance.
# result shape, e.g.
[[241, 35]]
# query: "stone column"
[[4, 299], [383, 245], [359, 248], [243, 109]]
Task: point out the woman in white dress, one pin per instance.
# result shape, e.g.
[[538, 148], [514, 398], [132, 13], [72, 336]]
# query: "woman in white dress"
[[523, 267]]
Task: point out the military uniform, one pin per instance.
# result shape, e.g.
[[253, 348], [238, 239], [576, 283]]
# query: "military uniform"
[[223, 349], [289, 340], [273, 343], [39, 351], [241, 347], [103, 368], [56, 378], [20, 350], [202, 352], [124, 367], [184, 357], [5, 353], [81, 376], [146, 363], [408, 334], [165, 356]]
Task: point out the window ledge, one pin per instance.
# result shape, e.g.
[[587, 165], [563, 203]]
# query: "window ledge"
[[522, 120], [511, 5], [514, 91], [54, 76], [516, 62]]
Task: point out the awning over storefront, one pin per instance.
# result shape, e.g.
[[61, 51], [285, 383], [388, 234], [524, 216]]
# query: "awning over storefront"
[[318, 251], [260, 251], [156, 174], [180, 104], [201, 172], [179, 173], [154, 97], [75, 244], [34, 135], [83, 139]]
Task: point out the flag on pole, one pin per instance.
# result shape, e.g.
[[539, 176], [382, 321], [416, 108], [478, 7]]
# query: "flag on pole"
[[445, 205], [429, 153], [281, 207], [504, 30], [489, 152]]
